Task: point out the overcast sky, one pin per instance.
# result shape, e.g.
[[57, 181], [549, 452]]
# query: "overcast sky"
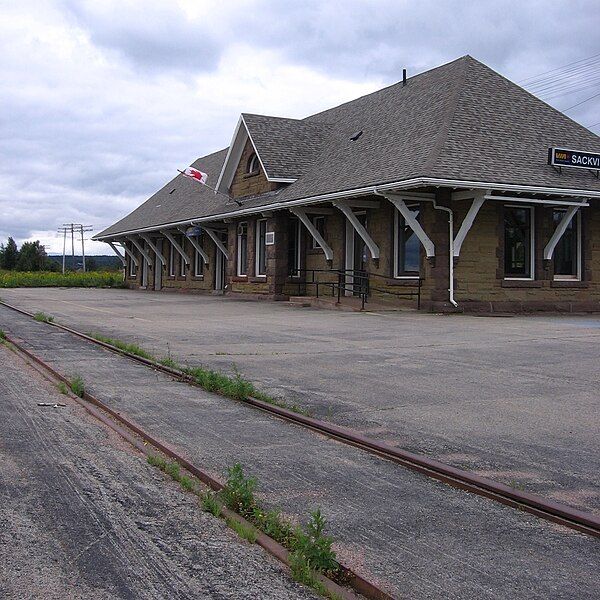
[[101, 101]]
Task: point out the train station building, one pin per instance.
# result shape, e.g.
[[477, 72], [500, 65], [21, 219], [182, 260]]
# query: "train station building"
[[453, 190]]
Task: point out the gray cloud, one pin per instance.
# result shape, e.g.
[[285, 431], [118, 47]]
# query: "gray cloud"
[[102, 102]]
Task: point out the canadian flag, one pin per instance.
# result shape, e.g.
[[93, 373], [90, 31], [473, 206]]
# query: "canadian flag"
[[195, 174]]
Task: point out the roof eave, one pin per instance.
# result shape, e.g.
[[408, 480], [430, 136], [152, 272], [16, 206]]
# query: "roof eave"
[[382, 187]]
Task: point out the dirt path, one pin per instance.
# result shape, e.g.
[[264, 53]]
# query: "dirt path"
[[83, 516]]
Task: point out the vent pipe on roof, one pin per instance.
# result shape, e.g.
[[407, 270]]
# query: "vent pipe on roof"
[[403, 77]]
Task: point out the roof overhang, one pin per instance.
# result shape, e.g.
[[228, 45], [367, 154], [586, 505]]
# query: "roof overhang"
[[238, 142], [417, 182]]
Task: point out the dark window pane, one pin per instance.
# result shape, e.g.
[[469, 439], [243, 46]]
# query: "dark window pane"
[[565, 253], [408, 247], [517, 242], [242, 249], [262, 248]]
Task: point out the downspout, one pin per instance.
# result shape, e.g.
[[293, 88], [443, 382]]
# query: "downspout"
[[450, 242]]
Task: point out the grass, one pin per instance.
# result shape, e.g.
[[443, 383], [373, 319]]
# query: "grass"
[[77, 386], [210, 503], [231, 386], [14, 279], [2, 334], [61, 386], [130, 348], [310, 549], [43, 317], [246, 532]]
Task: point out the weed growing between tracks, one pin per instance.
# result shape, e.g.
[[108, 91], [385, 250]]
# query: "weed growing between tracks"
[[77, 386], [310, 549], [43, 317], [235, 386], [61, 386], [2, 335]]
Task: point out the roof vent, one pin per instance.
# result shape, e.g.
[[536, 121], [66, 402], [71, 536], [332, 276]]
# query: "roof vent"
[[403, 77], [356, 135]]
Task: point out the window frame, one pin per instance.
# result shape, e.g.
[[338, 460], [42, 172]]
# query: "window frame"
[[531, 276], [315, 220], [198, 272], [253, 164], [260, 248], [132, 272], [397, 274], [578, 250], [239, 238]]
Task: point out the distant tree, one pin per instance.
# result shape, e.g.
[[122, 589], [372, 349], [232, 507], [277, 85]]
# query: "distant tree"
[[91, 264], [9, 255], [32, 257]]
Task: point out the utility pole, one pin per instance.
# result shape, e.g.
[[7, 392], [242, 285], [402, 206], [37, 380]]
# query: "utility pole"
[[74, 228]]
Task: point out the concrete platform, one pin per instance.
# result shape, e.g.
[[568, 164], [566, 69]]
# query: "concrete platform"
[[419, 538], [83, 516], [512, 398]]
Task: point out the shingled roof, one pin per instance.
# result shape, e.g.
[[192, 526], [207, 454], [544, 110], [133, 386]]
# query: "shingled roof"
[[461, 121]]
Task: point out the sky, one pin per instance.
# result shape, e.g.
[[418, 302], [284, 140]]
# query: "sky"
[[102, 101]]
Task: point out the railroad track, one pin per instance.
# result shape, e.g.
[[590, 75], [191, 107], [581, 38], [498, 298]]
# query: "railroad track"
[[555, 512]]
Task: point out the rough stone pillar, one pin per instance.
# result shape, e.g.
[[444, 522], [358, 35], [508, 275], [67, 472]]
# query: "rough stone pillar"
[[232, 249], [277, 254]]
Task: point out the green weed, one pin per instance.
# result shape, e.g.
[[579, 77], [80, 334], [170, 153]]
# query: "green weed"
[[157, 461], [315, 546], [174, 470], [187, 483], [62, 387], [167, 361], [238, 492], [2, 334], [130, 348], [77, 386], [43, 317], [246, 532], [210, 503]]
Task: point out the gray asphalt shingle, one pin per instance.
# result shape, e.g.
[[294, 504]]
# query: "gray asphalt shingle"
[[460, 121]]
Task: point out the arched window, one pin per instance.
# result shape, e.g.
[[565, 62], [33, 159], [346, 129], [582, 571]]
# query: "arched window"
[[253, 164]]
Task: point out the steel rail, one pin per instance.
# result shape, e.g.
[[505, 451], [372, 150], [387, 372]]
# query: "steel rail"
[[584, 522], [143, 441]]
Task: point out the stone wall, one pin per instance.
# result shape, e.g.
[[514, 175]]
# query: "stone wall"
[[249, 184]]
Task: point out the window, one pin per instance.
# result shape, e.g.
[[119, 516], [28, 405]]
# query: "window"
[[181, 259], [294, 248], [132, 268], [261, 247], [567, 254], [253, 165], [407, 247], [319, 224], [198, 263], [242, 249], [172, 260], [518, 242]]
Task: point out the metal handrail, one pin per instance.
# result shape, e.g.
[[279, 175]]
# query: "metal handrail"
[[360, 285]]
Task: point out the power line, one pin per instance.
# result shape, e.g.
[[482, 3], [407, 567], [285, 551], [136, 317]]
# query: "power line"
[[558, 68], [582, 102]]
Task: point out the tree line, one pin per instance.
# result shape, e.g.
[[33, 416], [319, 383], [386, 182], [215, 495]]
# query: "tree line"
[[30, 257]]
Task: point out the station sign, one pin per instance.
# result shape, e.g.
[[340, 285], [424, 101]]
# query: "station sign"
[[562, 157]]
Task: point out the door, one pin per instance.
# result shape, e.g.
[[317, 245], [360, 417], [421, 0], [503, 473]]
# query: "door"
[[158, 267], [357, 258], [220, 263]]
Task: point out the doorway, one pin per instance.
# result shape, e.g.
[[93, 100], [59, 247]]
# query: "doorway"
[[357, 257]]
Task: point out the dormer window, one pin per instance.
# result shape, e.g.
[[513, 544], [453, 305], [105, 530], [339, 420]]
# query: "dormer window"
[[253, 165]]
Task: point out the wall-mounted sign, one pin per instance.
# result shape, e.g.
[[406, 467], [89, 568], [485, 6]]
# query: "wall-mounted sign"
[[193, 231], [270, 238], [562, 157]]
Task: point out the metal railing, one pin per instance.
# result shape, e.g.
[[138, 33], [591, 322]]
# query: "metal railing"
[[350, 281]]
